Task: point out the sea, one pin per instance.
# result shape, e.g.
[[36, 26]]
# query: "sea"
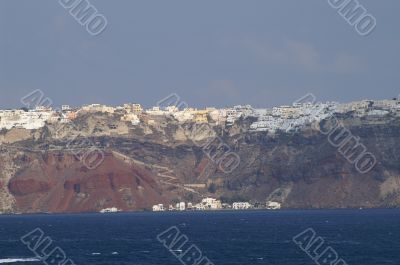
[[224, 237]]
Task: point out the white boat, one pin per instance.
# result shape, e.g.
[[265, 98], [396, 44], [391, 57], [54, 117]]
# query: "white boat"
[[110, 210]]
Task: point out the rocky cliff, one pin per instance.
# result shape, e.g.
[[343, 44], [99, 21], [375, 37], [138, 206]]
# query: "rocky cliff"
[[136, 166]]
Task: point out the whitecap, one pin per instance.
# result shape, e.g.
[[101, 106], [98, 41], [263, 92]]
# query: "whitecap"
[[11, 260], [114, 253], [96, 253]]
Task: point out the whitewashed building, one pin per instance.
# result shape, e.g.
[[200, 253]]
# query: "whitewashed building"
[[30, 120], [241, 205], [158, 208], [211, 204], [270, 205], [98, 108], [180, 206]]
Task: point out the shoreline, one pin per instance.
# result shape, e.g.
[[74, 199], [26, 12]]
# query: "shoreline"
[[304, 210]]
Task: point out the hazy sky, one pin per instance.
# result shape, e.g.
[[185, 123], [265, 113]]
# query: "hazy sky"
[[210, 52]]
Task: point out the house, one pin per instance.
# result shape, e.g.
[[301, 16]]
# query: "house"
[[30, 120], [186, 115], [43, 108], [201, 116], [71, 115], [65, 107], [273, 205], [158, 208], [131, 117], [171, 109], [133, 108], [241, 205], [155, 111], [231, 116], [98, 108], [211, 204], [180, 206], [137, 109]]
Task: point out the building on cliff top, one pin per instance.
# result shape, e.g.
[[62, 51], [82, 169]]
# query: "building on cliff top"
[[98, 108]]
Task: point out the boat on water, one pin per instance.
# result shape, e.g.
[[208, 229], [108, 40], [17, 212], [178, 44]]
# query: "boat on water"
[[110, 210]]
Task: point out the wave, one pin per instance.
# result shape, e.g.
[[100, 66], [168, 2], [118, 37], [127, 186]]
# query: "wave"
[[10, 260]]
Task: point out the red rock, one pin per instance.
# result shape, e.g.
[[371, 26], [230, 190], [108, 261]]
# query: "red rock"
[[60, 183]]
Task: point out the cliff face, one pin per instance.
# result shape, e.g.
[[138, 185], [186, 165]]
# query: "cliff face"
[[147, 164], [58, 182]]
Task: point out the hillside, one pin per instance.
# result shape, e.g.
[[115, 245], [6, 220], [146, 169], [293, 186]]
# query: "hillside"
[[165, 161]]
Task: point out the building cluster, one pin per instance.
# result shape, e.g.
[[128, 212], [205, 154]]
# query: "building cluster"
[[217, 116], [38, 117], [33, 119], [214, 204], [284, 118], [289, 118]]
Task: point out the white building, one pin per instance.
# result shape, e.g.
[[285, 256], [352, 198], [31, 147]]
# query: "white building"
[[65, 107], [155, 111], [231, 116], [43, 108], [172, 109], [273, 205], [187, 114], [291, 118], [33, 119], [385, 104], [377, 112], [241, 206], [158, 208], [180, 206], [199, 207], [98, 108], [131, 117], [211, 204]]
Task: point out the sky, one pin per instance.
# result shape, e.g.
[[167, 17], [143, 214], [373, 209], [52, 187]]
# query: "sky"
[[210, 52]]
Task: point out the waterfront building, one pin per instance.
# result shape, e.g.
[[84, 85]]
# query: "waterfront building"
[[180, 206], [241, 206], [158, 208], [273, 205], [211, 204]]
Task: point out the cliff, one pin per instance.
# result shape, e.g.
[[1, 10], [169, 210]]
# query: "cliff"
[[136, 166]]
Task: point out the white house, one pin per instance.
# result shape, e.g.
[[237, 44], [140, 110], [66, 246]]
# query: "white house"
[[180, 206], [158, 208], [211, 204], [273, 205], [241, 205]]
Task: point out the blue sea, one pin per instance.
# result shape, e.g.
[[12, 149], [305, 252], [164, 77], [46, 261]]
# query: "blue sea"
[[248, 237]]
